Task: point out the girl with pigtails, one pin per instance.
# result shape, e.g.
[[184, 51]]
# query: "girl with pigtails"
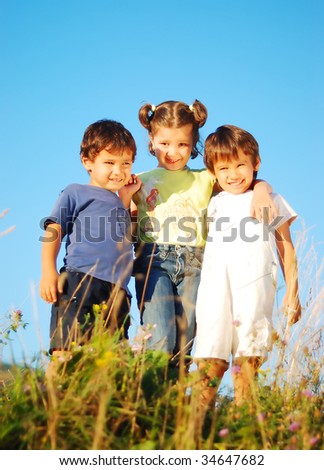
[[171, 208]]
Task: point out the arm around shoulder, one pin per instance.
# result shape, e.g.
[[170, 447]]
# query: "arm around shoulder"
[[263, 201]]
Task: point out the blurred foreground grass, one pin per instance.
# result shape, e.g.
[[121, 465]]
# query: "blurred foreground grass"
[[105, 395]]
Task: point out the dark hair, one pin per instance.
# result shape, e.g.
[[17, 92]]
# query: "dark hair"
[[174, 114], [225, 143], [106, 134]]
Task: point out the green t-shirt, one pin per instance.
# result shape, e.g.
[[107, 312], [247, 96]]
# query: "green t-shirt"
[[172, 206]]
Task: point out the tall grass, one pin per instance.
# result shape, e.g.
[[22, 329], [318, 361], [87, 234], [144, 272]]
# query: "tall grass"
[[105, 395], [110, 394]]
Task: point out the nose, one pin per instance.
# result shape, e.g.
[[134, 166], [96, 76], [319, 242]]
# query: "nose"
[[172, 151], [232, 173], [117, 170]]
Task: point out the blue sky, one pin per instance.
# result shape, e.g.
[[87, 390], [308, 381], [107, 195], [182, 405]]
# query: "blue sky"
[[67, 63]]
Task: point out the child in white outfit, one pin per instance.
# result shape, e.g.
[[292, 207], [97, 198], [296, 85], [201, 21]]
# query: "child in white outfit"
[[238, 280]]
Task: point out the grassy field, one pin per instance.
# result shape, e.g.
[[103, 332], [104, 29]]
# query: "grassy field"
[[110, 394]]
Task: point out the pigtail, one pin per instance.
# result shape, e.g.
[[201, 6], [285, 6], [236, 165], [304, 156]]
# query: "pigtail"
[[145, 115], [200, 113]]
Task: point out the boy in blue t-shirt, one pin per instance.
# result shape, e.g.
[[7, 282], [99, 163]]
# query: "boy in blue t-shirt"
[[98, 259]]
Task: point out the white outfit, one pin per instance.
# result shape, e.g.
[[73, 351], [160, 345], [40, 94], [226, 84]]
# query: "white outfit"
[[238, 279]]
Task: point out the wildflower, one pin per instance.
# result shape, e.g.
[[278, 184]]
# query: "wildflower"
[[236, 369], [237, 323], [136, 347], [223, 432], [103, 361], [313, 440], [96, 309], [294, 426], [261, 417], [141, 338], [16, 319], [307, 393]]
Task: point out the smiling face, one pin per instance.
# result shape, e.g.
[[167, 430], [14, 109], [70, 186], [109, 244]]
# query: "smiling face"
[[235, 175], [173, 146], [109, 171]]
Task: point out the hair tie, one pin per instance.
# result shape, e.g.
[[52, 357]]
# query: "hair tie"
[[153, 108], [191, 107]]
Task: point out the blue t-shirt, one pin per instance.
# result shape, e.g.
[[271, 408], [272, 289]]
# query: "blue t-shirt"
[[97, 230]]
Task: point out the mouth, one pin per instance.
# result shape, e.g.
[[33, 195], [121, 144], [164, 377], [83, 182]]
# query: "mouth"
[[171, 162], [115, 180], [236, 183]]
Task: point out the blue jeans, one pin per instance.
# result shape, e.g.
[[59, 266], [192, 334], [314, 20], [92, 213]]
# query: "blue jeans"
[[166, 282]]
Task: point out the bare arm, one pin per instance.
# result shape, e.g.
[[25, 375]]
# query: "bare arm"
[[133, 212], [262, 199], [127, 192], [288, 262], [49, 284]]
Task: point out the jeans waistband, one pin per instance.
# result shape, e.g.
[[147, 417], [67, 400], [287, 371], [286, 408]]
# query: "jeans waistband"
[[151, 247]]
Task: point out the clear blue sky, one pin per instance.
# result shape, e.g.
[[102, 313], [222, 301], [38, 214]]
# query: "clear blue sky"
[[67, 63]]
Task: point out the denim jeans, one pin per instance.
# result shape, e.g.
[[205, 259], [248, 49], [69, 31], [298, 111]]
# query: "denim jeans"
[[166, 282]]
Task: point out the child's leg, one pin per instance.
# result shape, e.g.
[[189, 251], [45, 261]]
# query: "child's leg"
[[244, 373], [186, 283], [116, 310], [211, 373], [155, 295]]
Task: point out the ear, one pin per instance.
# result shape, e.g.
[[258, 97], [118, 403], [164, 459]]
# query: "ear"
[[257, 164], [86, 163]]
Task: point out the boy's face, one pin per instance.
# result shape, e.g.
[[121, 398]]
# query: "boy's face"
[[172, 146], [109, 171], [235, 175]]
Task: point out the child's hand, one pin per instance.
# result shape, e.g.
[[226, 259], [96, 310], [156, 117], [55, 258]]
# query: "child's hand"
[[293, 311], [50, 286], [134, 183], [126, 192], [262, 205]]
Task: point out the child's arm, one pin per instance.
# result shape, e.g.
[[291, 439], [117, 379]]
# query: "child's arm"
[[262, 200], [133, 213], [288, 262], [49, 284], [127, 192]]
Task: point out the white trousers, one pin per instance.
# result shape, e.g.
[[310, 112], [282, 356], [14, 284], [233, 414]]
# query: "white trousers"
[[235, 301]]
